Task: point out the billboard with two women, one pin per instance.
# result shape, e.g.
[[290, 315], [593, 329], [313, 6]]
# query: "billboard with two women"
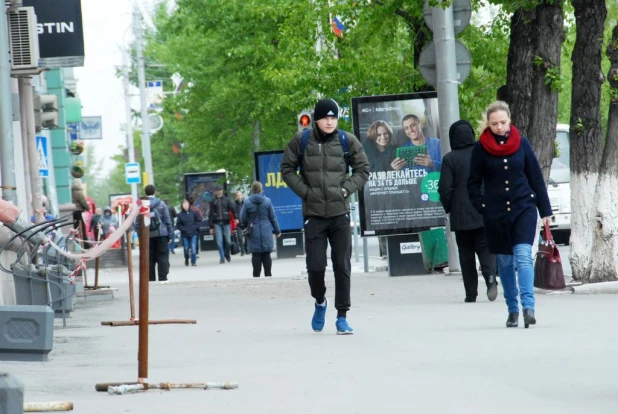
[[401, 138]]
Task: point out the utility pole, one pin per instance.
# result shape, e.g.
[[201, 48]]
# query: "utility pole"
[[448, 97], [7, 160], [127, 106], [27, 99], [141, 77]]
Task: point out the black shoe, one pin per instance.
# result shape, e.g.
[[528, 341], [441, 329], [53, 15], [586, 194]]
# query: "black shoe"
[[186, 262], [221, 261], [470, 299], [228, 258], [193, 264], [513, 320], [529, 318], [173, 252], [492, 288]]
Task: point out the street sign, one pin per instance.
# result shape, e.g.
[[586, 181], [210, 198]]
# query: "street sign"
[[462, 11], [132, 173], [156, 122], [41, 152], [427, 62]]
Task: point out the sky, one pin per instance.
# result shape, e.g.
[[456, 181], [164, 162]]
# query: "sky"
[[107, 29]]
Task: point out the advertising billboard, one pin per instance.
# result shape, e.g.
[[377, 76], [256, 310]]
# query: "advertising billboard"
[[401, 138], [288, 206], [201, 187]]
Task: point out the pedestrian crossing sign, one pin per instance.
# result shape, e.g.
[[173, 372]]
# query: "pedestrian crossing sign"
[[41, 152]]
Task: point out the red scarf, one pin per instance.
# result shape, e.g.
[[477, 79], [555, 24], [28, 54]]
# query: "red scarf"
[[510, 146]]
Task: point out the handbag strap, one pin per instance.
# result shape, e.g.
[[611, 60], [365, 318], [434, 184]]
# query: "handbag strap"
[[547, 233]]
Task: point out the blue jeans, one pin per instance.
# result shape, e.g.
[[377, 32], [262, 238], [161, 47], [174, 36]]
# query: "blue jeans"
[[222, 230], [525, 274], [190, 243]]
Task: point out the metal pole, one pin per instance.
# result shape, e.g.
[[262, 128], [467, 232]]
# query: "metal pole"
[[24, 145], [26, 96], [448, 97], [141, 77], [7, 160], [144, 270], [365, 255], [127, 108]]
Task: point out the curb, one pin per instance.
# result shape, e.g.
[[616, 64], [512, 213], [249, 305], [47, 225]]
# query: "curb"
[[597, 288]]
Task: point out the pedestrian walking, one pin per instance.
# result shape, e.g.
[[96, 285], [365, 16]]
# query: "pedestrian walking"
[[506, 187], [324, 155], [173, 215], [160, 232], [258, 214], [465, 221], [219, 220], [78, 197], [242, 242], [188, 222]]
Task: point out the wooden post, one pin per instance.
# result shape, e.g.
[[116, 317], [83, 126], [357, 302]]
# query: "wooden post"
[[97, 263], [130, 263], [144, 270]]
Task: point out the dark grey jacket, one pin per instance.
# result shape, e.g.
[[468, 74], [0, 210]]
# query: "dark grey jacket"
[[323, 173], [453, 186]]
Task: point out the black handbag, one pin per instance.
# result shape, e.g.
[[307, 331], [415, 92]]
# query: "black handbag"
[[246, 232], [548, 272], [235, 248]]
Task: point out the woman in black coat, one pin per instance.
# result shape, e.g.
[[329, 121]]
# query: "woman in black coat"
[[506, 186], [188, 223], [466, 222]]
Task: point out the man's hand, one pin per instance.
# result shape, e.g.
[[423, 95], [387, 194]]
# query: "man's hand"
[[424, 160], [278, 235], [212, 231], [398, 164], [237, 221]]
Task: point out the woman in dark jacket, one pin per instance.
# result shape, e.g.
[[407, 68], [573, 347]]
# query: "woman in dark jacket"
[[379, 147], [506, 186], [188, 222], [466, 222], [259, 213]]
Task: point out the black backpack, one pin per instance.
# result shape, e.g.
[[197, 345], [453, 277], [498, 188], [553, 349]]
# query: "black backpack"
[[155, 221]]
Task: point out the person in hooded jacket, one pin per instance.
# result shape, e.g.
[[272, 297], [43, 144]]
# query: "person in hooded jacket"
[[78, 197], [507, 188], [258, 212], [466, 222], [188, 222]]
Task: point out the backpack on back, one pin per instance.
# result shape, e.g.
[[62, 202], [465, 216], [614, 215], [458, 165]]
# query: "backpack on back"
[[343, 140], [155, 221]]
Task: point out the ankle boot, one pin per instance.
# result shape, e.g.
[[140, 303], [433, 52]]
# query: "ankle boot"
[[513, 320], [529, 318]]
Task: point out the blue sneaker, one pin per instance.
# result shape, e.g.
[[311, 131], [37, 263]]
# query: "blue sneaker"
[[342, 327], [319, 316]]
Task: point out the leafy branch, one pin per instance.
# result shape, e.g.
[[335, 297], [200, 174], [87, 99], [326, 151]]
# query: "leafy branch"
[[551, 73]]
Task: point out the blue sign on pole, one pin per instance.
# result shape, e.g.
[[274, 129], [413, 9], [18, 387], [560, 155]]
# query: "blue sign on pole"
[[73, 131], [132, 173], [288, 206], [41, 152]]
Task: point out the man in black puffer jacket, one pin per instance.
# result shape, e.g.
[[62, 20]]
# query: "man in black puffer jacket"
[[325, 188], [466, 222]]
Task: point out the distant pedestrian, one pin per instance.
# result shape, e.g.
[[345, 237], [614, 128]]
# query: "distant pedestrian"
[[219, 220], [159, 253], [259, 214], [242, 242], [465, 221], [325, 187], [506, 187], [173, 215], [78, 197], [188, 222]]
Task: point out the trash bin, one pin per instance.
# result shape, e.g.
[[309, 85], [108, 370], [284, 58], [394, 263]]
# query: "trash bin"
[[434, 248]]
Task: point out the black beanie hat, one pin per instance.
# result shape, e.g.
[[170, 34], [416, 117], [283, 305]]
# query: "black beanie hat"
[[324, 108]]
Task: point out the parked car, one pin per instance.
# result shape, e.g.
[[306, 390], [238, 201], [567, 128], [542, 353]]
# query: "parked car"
[[559, 188]]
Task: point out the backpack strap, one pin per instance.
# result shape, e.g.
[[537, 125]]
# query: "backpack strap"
[[345, 145]]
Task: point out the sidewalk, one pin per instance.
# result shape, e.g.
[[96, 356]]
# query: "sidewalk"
[[417, 348]]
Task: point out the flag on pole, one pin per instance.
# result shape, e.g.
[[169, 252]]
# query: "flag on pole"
[[337, 27]]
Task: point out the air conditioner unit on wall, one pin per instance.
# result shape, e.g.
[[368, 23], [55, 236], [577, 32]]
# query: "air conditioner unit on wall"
[[24, 41]]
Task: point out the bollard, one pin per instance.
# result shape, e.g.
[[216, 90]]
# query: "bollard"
[[11, 395]]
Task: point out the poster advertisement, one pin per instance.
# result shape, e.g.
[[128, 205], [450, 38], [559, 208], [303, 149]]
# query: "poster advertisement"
[[401, 138], [288, 206], [201, 187]]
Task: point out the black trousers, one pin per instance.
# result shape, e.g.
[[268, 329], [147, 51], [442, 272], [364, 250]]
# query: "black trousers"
[[159, 254], [259, 259], [78, 220], [318, 233], [469, 243]]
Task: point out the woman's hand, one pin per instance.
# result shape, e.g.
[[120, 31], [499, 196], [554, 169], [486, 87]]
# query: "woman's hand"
[[547, 220]]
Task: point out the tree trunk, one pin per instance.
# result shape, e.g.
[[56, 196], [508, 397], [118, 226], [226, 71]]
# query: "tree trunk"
[[547, 46], [605, 239], [585, 130], [519, 72]]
